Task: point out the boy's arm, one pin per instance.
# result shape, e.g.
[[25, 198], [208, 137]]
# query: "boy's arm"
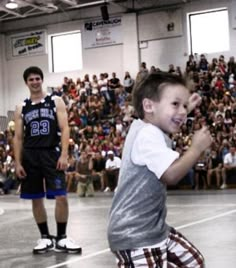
[[180, 167], [194, 101]]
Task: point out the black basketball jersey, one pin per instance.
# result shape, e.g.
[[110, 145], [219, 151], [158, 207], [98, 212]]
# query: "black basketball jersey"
[[40, 124]]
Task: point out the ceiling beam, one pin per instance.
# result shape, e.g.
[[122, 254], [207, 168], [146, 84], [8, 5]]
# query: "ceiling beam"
[[69, 2], [94, 3], [9, 11], [42, 8]]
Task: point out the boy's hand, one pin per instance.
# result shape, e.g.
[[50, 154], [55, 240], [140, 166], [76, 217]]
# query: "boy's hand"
[[202, 139], [194, 101]]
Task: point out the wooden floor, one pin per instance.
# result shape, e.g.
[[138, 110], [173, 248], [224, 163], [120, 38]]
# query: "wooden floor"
[[206, 218]]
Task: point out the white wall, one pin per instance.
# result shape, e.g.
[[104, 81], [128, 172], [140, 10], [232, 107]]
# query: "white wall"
[[175, 50], [162, 48], [4, 104]]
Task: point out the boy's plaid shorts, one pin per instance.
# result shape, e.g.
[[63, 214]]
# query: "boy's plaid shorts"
[[175, 251]]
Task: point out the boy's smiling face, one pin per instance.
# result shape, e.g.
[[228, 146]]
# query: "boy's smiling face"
[[170, 112]]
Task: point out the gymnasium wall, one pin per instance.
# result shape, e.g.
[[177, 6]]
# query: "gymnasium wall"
[[145, 38]]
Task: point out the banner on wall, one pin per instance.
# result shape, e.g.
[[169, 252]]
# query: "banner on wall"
[[30, 43], [99, 33]]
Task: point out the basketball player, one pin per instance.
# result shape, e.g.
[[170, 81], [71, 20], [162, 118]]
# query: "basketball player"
[[41, 151]]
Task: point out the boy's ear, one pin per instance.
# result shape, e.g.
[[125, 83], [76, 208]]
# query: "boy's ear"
[[147, 105]]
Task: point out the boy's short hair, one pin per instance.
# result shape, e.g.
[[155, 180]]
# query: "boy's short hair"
[[151, 87], [32, 70]]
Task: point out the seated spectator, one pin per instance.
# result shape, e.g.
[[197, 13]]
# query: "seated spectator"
[[70, 172], [103, 87], [73, 91], [2, 178], [203, 64], [231, 65], [83, 170], [128, 83], [127, 112], [215, 166], [3, 140], [231, 81], [87, 85], [98, 171], [114, 87], [94, 85], [200, 171], [112, 168], [7, 171], [191, 64], [229, 165], [74, 119], [143, 72]]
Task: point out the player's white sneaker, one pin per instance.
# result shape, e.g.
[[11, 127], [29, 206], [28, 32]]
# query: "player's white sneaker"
[[43, 246], [107, 190], [223, 186], [67, 245]]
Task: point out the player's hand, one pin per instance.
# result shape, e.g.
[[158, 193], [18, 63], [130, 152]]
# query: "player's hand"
[[194, 101], [62, 163], [20, 172]]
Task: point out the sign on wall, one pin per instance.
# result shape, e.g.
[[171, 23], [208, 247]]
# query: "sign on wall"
[[99, 33], [30, 43]]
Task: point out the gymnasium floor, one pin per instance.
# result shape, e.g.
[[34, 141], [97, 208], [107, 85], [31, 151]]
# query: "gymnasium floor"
[[207, 218]]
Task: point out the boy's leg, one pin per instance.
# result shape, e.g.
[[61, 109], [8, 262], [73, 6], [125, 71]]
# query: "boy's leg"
[[181, 253]]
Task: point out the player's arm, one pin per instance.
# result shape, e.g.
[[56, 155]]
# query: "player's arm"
[[18, 142], [64, 128]]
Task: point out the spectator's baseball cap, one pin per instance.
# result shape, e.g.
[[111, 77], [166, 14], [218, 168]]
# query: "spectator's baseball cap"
[[110, 152]]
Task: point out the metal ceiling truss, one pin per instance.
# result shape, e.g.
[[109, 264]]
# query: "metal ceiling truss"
[[27, 8]]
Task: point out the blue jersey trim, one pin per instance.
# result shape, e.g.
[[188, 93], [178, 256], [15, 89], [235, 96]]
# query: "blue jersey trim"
[[32, 196], [52, 193]]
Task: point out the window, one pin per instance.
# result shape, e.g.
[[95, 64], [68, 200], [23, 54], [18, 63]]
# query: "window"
[[209, 31], [66, 52]]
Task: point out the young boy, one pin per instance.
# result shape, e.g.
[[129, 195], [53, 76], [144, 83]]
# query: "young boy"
[[137, 232]]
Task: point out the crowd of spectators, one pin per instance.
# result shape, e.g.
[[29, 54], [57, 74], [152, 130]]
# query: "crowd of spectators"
[[100, 112]]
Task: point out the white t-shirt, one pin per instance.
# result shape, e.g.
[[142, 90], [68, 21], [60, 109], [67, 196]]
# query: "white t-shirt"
[[150, 149], [229, 159], [113, 164], [103, 85]]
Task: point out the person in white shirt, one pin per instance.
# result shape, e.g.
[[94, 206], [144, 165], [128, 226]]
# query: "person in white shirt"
[[229, 165], [112, 168]]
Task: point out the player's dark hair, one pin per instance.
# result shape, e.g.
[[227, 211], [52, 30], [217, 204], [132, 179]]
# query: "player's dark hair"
[[32, 70]]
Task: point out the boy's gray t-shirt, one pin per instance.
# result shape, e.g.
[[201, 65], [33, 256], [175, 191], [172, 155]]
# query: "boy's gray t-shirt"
[[138, 212]]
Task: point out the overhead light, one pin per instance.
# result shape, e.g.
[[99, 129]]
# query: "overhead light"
[[11, 4]]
